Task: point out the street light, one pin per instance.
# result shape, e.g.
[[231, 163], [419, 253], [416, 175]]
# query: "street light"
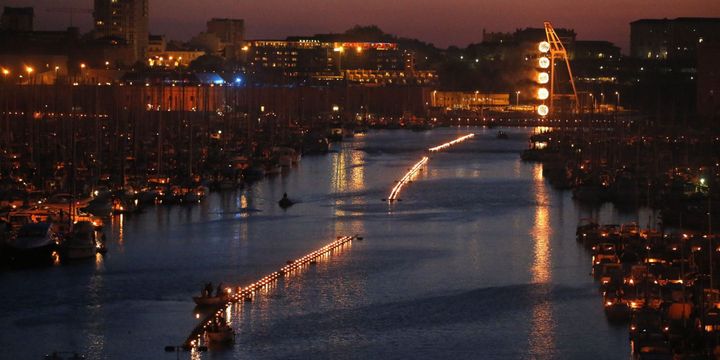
[[617, 93], [517, 98]]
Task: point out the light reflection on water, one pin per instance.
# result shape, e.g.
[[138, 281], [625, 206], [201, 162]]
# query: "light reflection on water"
[[542, 331], [478, 258]]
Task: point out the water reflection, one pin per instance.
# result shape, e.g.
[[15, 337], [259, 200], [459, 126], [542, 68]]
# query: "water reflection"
[[541, 230], [348, 172], [542, 324]]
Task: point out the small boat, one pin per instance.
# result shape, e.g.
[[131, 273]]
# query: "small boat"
[[617, 309], [80, 243], [210, 300], [219, 334], [285, 202], [335, 135], [33, 243], [502, 135]]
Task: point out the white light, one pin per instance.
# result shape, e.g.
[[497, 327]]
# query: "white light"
[[543, 110], [543, 78], [544, 47], [543, 93], [544, 62]]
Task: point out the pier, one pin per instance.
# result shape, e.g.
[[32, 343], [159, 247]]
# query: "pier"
[[405, 179], [395, 192], [450, 143], [246, 293]]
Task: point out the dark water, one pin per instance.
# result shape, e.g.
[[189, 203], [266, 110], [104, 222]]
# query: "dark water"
[[479, 260]]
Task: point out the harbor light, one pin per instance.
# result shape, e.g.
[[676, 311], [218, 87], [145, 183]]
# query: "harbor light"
[[543, 93], [543, 78], [544, 62], [543, 110], [544, 46]]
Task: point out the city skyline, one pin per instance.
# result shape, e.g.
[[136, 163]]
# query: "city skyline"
[[448, 23]]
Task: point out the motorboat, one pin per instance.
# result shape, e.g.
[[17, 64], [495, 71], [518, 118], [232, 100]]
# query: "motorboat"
[[81, 242], [220, 333], [33, 243], [206, 298], [285, 156], [210, 300], [285, 202], [335, 135], [617, 309]]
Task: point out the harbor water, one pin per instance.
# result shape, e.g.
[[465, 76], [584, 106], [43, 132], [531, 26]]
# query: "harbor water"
[[477, 261]]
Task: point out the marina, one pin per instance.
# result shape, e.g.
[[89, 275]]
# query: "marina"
[[524, 225]]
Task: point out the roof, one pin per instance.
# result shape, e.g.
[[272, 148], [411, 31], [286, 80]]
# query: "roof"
[[9, 10]]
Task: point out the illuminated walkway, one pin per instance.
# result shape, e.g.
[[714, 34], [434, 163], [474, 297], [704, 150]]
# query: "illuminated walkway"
[[416, 168], [408, 176], [197, 336], [246, 293]]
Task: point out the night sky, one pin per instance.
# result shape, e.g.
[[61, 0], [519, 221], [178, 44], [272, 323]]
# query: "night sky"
[[442, 22]]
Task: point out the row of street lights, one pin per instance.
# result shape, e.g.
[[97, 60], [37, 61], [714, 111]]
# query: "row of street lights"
[[29, 70]]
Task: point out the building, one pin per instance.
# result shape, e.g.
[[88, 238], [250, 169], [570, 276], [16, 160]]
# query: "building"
[[671, 39], [595, 62], [229, 31], [708, 82], [124, 19], [223, 37], [156, 44], [468, 100], [17, 19], [591, 50]]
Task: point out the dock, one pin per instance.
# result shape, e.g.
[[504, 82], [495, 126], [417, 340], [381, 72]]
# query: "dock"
[[246, 293], [395, 192]]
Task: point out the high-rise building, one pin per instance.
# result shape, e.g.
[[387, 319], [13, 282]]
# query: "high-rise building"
[[230, 31], [124, 19], [17, 19], [673, 39]]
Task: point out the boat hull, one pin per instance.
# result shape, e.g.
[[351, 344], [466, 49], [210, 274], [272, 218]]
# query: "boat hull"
[[209, 301]]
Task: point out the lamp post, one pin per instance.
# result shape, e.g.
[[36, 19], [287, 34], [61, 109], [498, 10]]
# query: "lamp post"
[[82, 73], [617, 94], [517, 98], [5, 73]]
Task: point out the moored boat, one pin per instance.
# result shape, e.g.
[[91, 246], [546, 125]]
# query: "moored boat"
[[80, 243], [33, 243]]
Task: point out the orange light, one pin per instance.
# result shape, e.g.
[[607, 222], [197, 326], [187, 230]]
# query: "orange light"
[[543, 110], [29, 69], [543, 93], [543, 78], [544, 62], [544, 46]]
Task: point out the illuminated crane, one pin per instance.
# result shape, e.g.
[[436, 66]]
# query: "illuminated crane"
[[553, 49]]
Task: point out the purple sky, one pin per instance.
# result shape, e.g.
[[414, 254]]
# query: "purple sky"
[[442, 22]]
